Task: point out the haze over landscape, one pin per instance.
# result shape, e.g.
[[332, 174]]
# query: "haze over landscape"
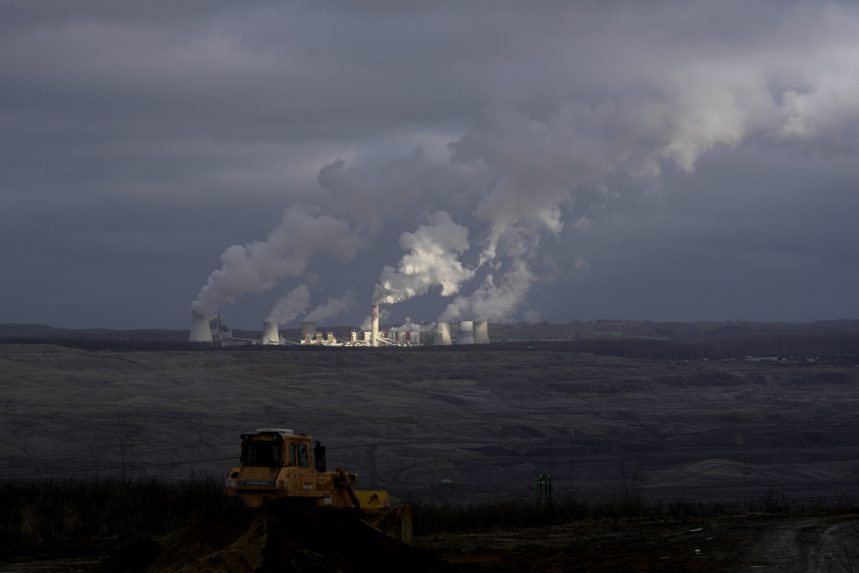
[[674, 161], [609, 245]]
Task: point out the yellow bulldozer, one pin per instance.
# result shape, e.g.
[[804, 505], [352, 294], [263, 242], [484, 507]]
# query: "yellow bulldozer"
[[280, 466]]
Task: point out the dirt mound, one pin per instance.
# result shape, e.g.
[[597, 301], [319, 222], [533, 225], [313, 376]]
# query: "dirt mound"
[[275, 539]]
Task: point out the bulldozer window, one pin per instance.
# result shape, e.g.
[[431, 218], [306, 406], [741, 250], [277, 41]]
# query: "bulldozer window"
[[302, 456], [261, 453], [292, 455], [319, 457]]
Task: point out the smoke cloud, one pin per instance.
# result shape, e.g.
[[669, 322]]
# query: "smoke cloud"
[[544, 152], [367, 323], [495, 299], [332, 307], [431, 259], [287, 308], [258, 266]]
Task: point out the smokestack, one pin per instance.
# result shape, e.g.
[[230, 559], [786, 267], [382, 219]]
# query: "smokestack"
[[374, 329], [308, 331], [481, 332], [200, 331], [269, 333], [466, 332], [442, 333]]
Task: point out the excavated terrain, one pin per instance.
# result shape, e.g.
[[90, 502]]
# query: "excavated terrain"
[[460, 426], [273, 540], [441, 424]]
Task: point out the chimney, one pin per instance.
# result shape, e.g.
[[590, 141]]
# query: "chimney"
[[442, 333], [374, 330], [466, 332], [270, 334], [200, 331], [308, 332], [481, 332]]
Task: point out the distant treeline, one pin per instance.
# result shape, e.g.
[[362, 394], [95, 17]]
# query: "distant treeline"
[[840, 348], [519, 331], [836, 340]]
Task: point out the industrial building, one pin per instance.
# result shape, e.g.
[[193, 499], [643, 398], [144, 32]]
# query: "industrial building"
[[216, 331]]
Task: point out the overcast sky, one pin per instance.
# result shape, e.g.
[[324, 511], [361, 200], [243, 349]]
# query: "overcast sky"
[[666, 160]]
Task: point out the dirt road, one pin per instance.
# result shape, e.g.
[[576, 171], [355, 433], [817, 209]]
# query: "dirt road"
[[812, 545], [739, 543]]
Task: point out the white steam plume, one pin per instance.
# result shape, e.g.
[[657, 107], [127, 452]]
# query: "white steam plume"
[[431, 259], [384, 313], [332, 307], [557, 144], [258, 266], [287, 308], [494, 300]]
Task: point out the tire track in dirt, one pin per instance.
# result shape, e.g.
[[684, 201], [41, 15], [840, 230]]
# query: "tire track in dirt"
[[810, 545]]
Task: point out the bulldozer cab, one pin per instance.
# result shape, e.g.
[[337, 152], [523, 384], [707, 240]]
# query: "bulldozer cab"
[[281, 448], [277, 463]]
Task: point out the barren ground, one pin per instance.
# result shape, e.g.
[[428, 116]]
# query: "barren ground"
[[825, 544], [233, 543], [441, 424], [472, 426]]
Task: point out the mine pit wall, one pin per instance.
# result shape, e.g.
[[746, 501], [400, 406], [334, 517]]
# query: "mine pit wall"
[[460, 424]]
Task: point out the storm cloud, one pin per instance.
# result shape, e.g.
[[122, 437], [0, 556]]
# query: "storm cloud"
[[679, 160]]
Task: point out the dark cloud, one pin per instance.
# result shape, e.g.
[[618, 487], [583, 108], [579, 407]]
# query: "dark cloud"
[[674, 160]]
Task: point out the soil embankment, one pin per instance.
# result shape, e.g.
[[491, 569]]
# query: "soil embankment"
[[267, 540]]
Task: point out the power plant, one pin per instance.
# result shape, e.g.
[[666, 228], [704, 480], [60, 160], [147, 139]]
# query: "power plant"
[[481, 332], [374, 328], [442, 334], [270, 334], [200, 329], [308, 332], [466, 332], [215, 331]]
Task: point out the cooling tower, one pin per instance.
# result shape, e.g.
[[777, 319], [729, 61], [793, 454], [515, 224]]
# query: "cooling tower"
[[465, 335], [308, 331], [200, 331], [481, 332], [442, 334], [270, 334], [374, 329]]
